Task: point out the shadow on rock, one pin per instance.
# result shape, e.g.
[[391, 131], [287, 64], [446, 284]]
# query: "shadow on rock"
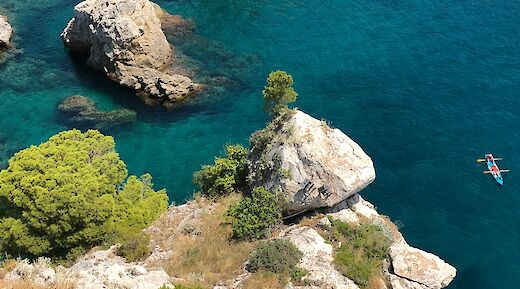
[[80, 111]]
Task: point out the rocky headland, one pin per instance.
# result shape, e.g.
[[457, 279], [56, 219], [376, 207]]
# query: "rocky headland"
[[124, 40], [6, 33], [320, 171]]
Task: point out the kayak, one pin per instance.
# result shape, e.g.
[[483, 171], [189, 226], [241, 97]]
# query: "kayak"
[[493, 169]]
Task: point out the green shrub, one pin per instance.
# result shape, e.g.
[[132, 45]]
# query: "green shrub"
[[254, 215], [275, 256], [227, 174], [134, 247], [298, 273], [68, 194], [362, 251], [278, 92]]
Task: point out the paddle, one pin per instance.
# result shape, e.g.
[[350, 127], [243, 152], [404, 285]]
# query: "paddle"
[[483, 160], [502, 171]]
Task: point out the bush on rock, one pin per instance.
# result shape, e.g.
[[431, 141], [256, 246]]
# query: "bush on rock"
[[227, 175], [276, 256], [362, 251], [68, 194], [254, 215], [134, 247]]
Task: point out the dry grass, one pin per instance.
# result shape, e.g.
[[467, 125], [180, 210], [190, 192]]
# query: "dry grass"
[[208, 258], [22, 284], [7, 266], [376, 282], [264, 281]]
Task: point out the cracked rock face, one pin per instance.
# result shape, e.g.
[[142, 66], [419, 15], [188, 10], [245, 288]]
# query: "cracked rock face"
[[314, 165], [416, 266], [6, 32], [124, 39]]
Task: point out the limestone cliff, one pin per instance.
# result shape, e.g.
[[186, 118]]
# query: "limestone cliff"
[[312, 164], [191, 242], [124, 39]]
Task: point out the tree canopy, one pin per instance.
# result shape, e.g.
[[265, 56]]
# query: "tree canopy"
[[278, 92], [69, 194], [227, 174]]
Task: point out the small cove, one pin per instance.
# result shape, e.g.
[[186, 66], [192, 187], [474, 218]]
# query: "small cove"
[[425, 87]]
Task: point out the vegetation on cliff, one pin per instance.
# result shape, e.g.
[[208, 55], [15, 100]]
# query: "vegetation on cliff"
[[254, 216], [278, 93], [360, 251], [275, 256], [227, 175], [69, 194]]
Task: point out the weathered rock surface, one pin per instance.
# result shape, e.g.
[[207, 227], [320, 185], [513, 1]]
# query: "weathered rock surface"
[[318, 260], [124, 39], [82, 111], [420, 267], [410, 268], [6, 32], [314, 165], [39, 272], [101, 269]]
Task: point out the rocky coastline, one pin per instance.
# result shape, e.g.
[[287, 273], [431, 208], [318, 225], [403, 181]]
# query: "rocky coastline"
[[124, 40], [302, 158]]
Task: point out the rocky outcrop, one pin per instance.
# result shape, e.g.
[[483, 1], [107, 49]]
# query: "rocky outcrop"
[[101, 269], [318, 260], [124, 39], [82, 111], [6, 32], [409, 267], [312, 164]]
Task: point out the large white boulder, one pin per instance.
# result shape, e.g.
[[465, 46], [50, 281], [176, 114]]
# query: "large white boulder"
[[6, 32], [311, 163], [124, 39]]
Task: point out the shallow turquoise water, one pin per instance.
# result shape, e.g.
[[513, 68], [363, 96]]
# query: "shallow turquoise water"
[[425, 87]]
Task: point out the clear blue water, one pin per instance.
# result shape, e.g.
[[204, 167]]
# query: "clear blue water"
[[425, 87]]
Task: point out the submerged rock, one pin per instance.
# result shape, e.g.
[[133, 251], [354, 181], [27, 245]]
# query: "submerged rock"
[[312, 164], [82, 111], [6, 32], [124, 40]]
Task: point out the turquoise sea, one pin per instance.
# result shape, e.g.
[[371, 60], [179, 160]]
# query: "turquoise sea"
[[425, 87]]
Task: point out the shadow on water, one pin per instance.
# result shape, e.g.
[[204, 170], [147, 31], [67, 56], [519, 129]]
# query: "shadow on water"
[[225, 74], [127, 98]]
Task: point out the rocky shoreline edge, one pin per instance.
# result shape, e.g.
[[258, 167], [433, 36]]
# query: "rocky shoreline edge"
[[200, 223]]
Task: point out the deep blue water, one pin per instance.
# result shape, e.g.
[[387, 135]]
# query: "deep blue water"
[[425, 87]]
